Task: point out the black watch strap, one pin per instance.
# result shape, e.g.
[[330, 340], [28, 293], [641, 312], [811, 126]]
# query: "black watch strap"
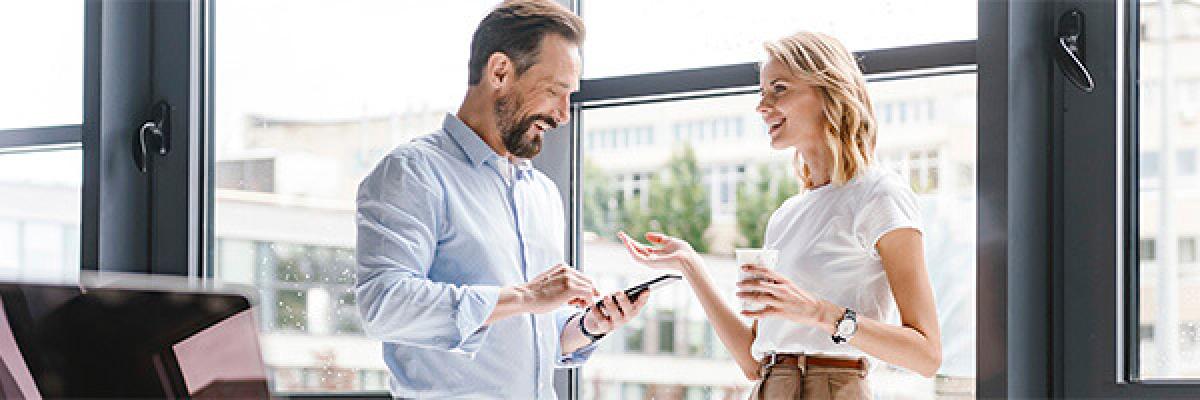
[[583, 328]]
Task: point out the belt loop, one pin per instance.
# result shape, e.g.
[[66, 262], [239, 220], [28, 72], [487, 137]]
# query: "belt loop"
[[864, 367], [802, 363]]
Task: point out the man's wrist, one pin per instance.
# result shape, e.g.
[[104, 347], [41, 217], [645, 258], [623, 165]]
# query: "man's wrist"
[[591, 324], [592, 332], [511, 301]]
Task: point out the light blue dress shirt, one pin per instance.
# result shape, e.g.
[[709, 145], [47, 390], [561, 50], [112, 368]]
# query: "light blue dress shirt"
[[440, 230]]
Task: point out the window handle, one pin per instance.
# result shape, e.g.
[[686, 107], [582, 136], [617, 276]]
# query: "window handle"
[[1069, 50], [153, 136]]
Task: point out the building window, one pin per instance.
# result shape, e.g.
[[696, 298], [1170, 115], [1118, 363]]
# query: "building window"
[[634, 332], [1186, 163], [249, 175], [1187, 249], [666, 331], [291, 311], [1147, 250], [1149, 164]]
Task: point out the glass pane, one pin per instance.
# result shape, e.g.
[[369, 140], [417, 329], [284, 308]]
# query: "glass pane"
[[39, 216], [46, 86], [690, 33], [625, 187], [1169, 215], [309, 96]]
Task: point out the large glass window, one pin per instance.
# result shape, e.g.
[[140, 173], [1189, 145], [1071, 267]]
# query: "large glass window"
[[42, 75], [719, 144], [1169, 213], [309, 95], [39, 215], [690, 33]]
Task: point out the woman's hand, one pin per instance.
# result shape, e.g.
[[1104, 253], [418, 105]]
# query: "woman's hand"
[[781, 298], [668, 253]]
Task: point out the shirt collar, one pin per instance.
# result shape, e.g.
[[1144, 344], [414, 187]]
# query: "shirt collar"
[[476, 150], [474, 147]]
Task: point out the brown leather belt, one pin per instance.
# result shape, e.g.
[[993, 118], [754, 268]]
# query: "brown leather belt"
[[813, 361]]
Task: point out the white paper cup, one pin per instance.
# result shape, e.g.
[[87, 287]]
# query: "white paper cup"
[[765, 258]]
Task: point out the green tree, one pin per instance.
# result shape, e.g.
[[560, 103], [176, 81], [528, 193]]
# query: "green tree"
[[757, 200], [676, 204], [600, 209]]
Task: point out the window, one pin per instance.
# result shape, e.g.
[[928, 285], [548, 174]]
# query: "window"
[[1167, 139], [45, 87], [1187, 249], [41, 158], [300, 116], [1148, 249], [1187, 162], [253, 175], [1150, 164], [40, 215], [666, 331], [698, 170]]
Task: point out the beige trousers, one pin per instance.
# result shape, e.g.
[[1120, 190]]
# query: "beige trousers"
[[790, 382]]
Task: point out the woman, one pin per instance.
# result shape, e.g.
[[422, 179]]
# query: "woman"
[[850, 249]]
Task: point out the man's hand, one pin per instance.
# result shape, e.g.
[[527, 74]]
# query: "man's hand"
[[614, 312], [559, 285], [546, 292]]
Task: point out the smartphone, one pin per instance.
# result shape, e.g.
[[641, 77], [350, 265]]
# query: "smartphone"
[[636, 291]]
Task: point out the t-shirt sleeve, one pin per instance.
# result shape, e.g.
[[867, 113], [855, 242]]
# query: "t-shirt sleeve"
[[889, 207]]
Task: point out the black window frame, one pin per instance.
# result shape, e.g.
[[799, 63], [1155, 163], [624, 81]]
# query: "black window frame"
[[1097, 206]]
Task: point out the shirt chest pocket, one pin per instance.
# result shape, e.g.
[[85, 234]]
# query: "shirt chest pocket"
[[543, 244], [542, 232]]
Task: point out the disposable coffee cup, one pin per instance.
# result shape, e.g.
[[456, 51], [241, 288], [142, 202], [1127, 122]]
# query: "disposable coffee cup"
[[765, 258]]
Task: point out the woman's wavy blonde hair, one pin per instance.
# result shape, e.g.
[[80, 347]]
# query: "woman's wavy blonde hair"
[[822, 61]]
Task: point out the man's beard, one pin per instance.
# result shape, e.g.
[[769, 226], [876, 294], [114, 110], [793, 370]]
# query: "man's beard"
[[513, 129]]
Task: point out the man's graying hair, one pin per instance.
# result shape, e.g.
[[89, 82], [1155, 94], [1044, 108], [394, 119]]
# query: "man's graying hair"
[[516, 28]]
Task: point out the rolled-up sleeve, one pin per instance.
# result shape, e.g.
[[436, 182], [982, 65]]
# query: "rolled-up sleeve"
[[580, 355], [399, 208]]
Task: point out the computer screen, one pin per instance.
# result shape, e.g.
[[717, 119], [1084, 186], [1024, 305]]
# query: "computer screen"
[[220, 362], [123, 342]]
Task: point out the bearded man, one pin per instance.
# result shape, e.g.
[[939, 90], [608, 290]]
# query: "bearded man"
[[460, 258]]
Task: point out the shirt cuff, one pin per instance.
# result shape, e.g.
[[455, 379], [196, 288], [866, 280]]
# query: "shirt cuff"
[[477, 304], [580, 355]]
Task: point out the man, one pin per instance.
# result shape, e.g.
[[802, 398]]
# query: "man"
[[460, 239]]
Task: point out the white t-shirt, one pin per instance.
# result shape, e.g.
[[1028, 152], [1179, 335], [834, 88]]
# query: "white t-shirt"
[[826, 240]]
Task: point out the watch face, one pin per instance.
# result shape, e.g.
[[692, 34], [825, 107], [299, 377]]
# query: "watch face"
[[845, 327]]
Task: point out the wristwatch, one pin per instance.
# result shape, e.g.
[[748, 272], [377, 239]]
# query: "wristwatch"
[[846, 327], [583, 328]]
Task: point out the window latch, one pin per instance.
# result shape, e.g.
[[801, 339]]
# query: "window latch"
[[1069, 50], [153, 136]]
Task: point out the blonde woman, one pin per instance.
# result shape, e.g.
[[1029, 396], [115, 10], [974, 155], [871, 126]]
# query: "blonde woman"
[[850, 250]]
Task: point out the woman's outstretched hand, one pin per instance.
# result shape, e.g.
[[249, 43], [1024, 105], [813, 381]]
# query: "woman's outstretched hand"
[[666, 253]]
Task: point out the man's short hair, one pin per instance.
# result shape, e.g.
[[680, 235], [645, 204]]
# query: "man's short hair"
[[516, 28]]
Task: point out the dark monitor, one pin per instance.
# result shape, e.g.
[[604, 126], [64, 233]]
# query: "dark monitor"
[[63, 341]]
